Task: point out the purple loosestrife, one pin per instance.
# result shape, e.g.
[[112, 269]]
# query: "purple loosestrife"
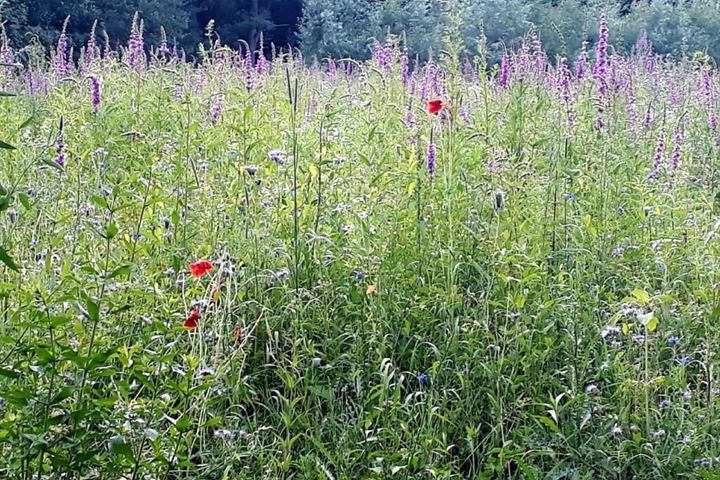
[[332, 68], [249, 71], [464, 114], [601, 61], [566, 94], [261, 64], [705, 88], [505, 68], [95, 93], [384, 55], [713, 123], [522, 63], [405, 68], [409, 118], [642, 45], [431, 158], [659, 153], [61, 157], [677, 145], [6, 56], [136, 44], [648, 119], [426, 86], [90, 51], [539, 55], [60, 62], [581, 62], [107, 52], [217, 109], [163, 50], [30, 82]]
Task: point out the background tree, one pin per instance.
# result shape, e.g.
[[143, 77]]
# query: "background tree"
[[347, 28]]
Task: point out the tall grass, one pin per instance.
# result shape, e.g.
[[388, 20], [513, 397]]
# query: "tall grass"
[[542, 304]]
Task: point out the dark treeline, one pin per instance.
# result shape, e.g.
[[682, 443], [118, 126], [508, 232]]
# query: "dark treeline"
[[347, 28], [184, 20]]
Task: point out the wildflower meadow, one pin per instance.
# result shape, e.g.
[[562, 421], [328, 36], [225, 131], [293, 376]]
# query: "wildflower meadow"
[[234, 265]]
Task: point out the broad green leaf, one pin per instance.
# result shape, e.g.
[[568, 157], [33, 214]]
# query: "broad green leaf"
[[121, 448], [652, 324], [641, 296], [93, 310], [7, 260], [111, 230]]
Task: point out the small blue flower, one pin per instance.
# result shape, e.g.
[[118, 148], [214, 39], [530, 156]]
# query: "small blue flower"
[[673, 341], [684, 361], [423, 379], [359, 275], [136, 236], [570, 196]]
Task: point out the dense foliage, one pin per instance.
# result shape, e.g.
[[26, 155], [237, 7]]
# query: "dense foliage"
[[184, 20], [244, 269], [345, 28]]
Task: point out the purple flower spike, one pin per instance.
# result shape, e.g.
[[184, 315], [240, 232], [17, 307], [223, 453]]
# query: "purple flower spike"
[[96, 93]]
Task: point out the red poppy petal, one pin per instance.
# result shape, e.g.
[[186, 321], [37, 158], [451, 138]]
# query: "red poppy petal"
[[198, 269], [434, 106], [192, 320]]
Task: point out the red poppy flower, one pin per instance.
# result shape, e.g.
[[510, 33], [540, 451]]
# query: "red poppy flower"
[[191, 321], [434, 106], [198, 269]]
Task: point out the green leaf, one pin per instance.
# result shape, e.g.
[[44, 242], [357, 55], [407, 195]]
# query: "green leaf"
[[7, 94], [121, 448], [50, 163], [652, 324], [27, 122], [645, 318], [7, 260], [24, 200], [6, 146], [641, 296], [8, 373], [183, 423], [93, 310], [100, 202], [111, 231], [119, 271]]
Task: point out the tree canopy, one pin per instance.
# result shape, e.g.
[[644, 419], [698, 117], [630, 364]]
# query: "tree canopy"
[[348, 28]]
